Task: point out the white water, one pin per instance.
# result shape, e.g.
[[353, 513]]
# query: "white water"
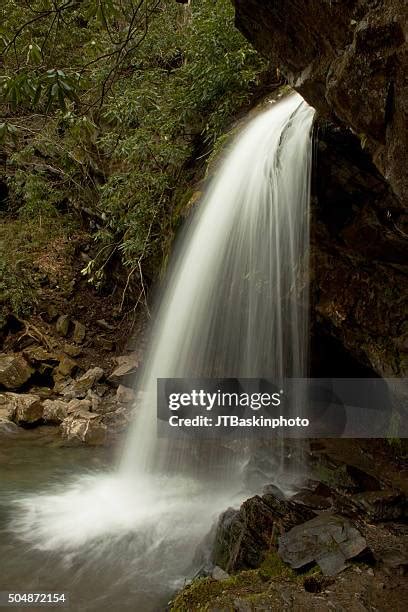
[[235, 306]]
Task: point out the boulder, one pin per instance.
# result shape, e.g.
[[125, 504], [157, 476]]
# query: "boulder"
[[25, 408], [79, 388], [84, 429], [14, 371], [62, 325], [243, 536], [125, 395], [327, 539], [79, 332], [127, 366], [37, 355], [54, 411]]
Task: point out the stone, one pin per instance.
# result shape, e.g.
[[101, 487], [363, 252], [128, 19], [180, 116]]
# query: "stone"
[[243, 536], [62, 325], [14, 371], [101, 389], [79, 406], [124, 395], [38, 355], [127, 367], [51, 312], [54, 411], [219, 574], [91, 376], [66, 366], [84, 429], [327, 539], [117, 420], [72, 350], [94, 399], [25, 408], [79, 332], [105, 325], [79, 388]]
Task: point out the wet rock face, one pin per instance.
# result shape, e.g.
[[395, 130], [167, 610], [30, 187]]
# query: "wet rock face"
[[359, 257], [243, 535], [348, 58]]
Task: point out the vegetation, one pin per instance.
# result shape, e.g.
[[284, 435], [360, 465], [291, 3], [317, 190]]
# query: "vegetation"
[[250, 586], [109, 108]]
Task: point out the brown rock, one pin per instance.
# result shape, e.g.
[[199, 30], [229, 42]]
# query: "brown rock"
[[243, 535], [78, 388], [25, 409], [54, 411], [14, 371], [79, 332], [105, 343], [38, 354], [125, 395], [71, 350], [66, 366], [105, 325], [62, 325], [79, 406], [84, 429], [127, 366], [386, 505]]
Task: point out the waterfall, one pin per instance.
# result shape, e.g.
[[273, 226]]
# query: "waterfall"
[[235, 305]]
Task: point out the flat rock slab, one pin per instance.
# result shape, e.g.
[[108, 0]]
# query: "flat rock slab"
[[328, 540]]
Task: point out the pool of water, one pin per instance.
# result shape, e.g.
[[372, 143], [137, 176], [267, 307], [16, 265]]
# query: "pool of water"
[[101, 574], [69, 523]]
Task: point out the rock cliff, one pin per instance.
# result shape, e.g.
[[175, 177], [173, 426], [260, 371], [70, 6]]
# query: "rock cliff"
[[348, 59]]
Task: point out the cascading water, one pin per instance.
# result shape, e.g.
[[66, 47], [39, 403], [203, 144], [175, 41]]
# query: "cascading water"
[[235, 306]]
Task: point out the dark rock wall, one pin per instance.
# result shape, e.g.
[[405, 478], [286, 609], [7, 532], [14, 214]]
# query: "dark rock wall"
[[348, 58], [359, 259]]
